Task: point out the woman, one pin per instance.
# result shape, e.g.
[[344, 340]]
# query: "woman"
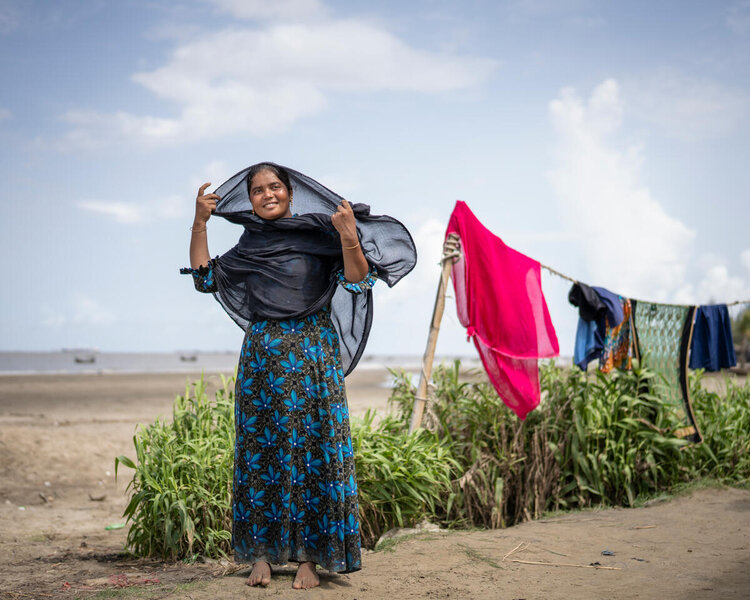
[[299, 285]]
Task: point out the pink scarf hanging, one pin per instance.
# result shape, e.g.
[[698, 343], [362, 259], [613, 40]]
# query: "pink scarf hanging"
[[500, 302]]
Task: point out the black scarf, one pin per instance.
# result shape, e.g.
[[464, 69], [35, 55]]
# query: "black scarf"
[[287, 268]]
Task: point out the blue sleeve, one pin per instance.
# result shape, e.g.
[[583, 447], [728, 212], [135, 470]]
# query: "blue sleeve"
[[359, 287], [203, 277]]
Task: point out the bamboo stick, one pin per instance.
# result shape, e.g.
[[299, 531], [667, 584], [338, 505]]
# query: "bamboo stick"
[[450, 252]]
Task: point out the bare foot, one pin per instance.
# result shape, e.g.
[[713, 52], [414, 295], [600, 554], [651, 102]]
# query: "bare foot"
[[260, 575], [306, 577]]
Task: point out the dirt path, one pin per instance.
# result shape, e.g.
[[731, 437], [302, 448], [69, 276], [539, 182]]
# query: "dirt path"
[[59, 434]]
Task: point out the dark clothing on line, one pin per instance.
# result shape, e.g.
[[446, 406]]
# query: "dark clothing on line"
[[590, 306], [613, 303], [712, 347]]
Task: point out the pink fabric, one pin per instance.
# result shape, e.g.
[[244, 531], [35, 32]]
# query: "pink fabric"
[[500, 302]]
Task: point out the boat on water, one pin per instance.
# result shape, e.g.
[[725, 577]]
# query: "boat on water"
[[84, 356]]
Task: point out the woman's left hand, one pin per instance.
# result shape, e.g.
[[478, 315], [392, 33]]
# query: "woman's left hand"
[[345, 223]]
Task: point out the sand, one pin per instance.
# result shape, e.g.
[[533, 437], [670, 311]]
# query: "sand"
[[59, 435]]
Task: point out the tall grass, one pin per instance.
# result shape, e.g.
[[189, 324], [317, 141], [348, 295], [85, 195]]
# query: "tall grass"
[[725, 424], [613, 439], [180, 504], [402, 478], [594, 440]]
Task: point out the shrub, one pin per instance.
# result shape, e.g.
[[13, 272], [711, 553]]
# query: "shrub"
[[725, 423], [612, 438], [594, 440], [180, 504], [401, 478]]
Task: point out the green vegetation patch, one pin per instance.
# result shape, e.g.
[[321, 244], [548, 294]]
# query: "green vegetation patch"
[[595, 440]]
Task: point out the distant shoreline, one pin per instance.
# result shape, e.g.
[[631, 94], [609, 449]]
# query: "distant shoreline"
[[63, 362]]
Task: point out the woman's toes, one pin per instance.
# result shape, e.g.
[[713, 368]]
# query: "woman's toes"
[[260, 575], [306, 577]]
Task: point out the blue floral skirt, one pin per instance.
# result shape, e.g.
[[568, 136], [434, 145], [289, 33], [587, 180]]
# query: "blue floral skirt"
[[294, 491]]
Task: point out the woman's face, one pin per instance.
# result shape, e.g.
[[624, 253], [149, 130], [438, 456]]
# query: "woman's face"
[[269, 196]]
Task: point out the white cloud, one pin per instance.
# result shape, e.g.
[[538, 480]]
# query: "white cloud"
[[262, 9], [52, 318], [717, 283], [261, 80], [4, 114], [579, 14], [719, 286], [130, 213], [175, 206], [79, 310], [745, 260], [535, 9], [87, 311], [422, 281], [685, 107], [409, 304], [123, 212], [630, 243], [738, 17], [345, 184]]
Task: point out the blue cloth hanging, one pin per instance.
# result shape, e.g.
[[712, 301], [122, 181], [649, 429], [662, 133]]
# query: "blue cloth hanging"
[[712, 347], [589, 342], [614, 306], [598, 308]]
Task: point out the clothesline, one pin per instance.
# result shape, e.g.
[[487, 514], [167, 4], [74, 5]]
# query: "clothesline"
[[569, 278]]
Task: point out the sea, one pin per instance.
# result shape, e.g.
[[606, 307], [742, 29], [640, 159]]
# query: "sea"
[[96, 362]]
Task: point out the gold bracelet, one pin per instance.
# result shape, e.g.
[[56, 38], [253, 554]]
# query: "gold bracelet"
[[198, 230], [350, 247]]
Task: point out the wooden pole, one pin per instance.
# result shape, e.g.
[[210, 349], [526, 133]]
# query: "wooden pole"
[[450, 252]]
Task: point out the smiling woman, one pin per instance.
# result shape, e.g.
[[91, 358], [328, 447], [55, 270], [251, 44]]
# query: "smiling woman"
[[298, 284], [269, 189]]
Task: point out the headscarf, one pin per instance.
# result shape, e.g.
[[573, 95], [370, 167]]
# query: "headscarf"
[[287, 268]]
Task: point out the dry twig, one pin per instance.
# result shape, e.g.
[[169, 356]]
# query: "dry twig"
[[524, 545], [546, 564], [516, 548]]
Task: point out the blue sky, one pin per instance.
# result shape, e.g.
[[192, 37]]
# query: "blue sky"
[[606, 139]]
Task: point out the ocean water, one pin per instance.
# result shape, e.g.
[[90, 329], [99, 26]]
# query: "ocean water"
[[88, 361], [91, 361], [66, 361]]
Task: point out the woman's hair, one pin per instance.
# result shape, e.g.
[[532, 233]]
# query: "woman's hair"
[[280, 172]]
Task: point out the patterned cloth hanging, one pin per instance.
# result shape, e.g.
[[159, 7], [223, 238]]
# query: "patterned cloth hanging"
[[604, 328], [663, 332], [617, 348]]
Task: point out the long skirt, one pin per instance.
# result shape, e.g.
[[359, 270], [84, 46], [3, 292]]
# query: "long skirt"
[[294, 491]]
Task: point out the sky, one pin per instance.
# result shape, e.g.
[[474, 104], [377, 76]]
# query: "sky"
[[606, 139]]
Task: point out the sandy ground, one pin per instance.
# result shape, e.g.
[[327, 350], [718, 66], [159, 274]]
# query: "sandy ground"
[[59, 435]]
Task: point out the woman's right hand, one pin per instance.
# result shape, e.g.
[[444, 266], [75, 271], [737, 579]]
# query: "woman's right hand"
[[205, 204]]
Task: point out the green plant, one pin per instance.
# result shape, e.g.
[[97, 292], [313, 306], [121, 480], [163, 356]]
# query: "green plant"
[[594, 440], [613, 439], [401, 477], [725, 424], [180, 505]]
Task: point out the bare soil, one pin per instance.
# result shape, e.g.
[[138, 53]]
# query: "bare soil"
[[59, 435]]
